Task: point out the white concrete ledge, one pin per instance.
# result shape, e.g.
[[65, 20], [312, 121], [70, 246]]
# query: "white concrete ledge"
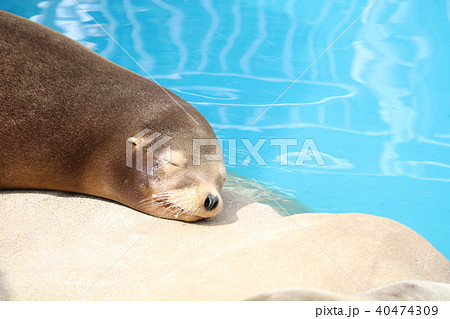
[[59, 246]]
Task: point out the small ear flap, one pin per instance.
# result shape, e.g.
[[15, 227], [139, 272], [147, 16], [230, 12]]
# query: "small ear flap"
[[135, 140], [143, 143]]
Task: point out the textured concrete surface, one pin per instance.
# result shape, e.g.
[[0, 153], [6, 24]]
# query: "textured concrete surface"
[[414, 290], [60, 246]]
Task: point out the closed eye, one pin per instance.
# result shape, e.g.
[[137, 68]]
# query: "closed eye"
[[175, 164]]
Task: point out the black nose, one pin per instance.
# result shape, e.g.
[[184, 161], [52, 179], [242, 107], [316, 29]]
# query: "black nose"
[[211, 202]]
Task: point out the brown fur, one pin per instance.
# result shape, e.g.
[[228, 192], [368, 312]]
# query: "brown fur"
[[66, 114]]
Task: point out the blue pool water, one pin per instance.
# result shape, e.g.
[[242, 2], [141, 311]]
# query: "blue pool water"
[[376, 104]]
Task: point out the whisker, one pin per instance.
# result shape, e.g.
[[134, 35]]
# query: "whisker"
[[175, 202]]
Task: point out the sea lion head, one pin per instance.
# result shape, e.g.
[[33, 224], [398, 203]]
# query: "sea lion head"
[[182, 178]]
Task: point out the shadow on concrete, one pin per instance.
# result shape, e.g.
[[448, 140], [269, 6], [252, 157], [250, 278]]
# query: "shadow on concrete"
[[227, 216], [3, 289], [232, 203]]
